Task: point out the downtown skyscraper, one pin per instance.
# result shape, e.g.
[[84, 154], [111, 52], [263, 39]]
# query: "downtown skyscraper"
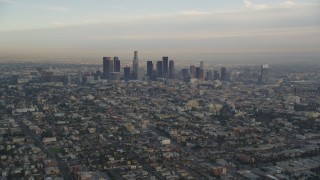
[[171, 69], [135, 62], [116, 63], [108, 67], [264, 76], [135, 65], [159, 69], [165, 66], [223, 76], [149, 69], [126, 73]]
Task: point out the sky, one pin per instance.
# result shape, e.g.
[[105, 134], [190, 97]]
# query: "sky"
[[204, 30]]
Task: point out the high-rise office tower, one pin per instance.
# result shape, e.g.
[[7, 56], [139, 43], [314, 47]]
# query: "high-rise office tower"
[[165, 66], [216, 75], [223, 74], [209, 76], [107, 67], [135, 63], [264, 76], [199, 73], [126, 71], [192, 71], [111, 67], [171, 69], [159, 69], [185, 73], [149, 69], [116, 62]]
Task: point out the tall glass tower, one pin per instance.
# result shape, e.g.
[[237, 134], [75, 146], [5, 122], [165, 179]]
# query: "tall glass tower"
[[264, 76], [135, 63], [165, 68], [108, 67]]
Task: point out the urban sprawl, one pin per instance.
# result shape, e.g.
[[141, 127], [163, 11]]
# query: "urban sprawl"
[[159, 120]]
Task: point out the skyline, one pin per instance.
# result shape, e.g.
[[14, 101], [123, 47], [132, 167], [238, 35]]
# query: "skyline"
[[211, 30]]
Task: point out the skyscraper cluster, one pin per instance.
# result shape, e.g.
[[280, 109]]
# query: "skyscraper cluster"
[[199, 73], [194, 72], [164, 69], [111, 68]]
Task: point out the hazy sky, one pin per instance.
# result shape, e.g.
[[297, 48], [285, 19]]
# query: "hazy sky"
[[182, 29]]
